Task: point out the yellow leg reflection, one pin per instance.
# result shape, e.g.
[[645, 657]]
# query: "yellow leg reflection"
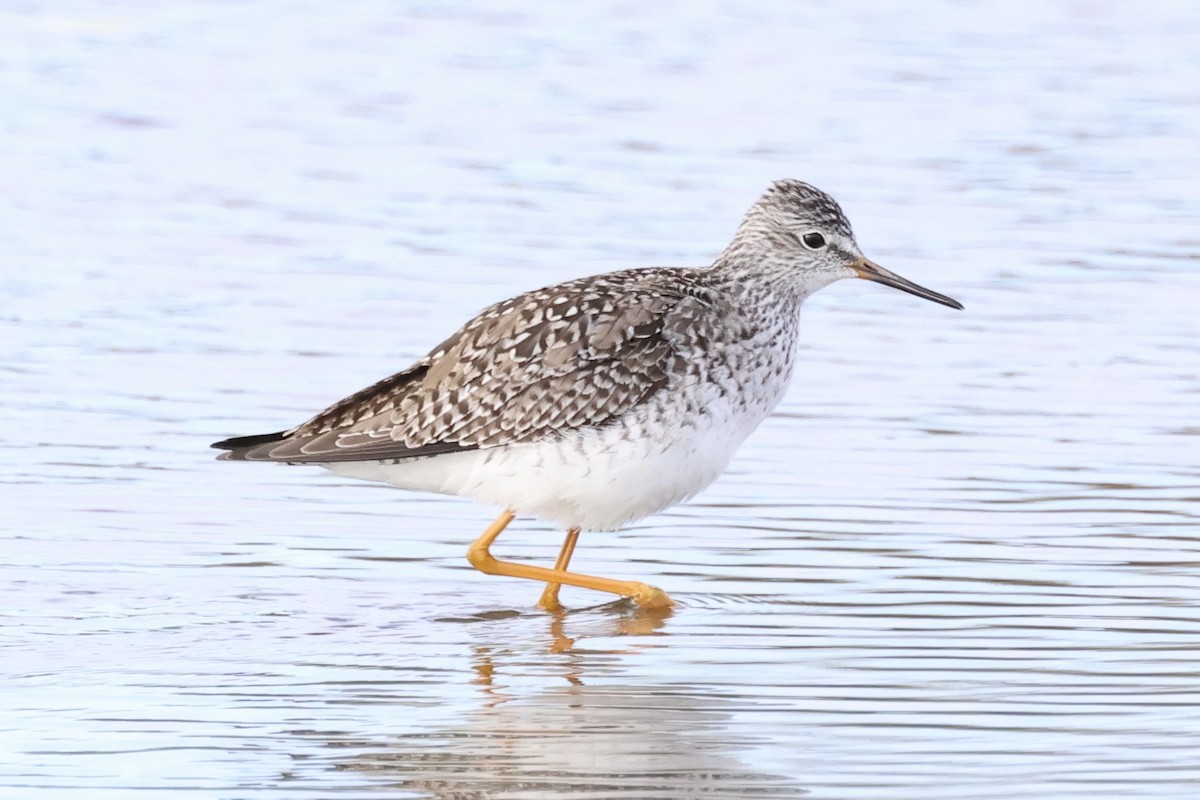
[[481, 558], [560, 642]]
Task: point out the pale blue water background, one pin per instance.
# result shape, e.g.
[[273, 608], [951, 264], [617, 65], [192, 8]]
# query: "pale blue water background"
[[961, 562]]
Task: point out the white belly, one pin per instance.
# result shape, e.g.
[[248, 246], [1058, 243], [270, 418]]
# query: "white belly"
[[596, 480]]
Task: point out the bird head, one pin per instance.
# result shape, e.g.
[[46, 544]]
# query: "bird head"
[[798, 231]]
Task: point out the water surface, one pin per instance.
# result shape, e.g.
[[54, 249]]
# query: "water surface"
[[960, 562]]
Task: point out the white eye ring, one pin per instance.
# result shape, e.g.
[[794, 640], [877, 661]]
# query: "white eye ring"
[[813, 240]]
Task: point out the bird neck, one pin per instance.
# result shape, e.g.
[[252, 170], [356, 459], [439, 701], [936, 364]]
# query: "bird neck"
[[759, 279]]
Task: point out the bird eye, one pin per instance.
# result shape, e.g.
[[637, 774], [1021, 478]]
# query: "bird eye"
[[813, 241]]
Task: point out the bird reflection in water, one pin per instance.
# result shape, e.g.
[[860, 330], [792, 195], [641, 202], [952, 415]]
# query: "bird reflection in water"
[[623, 619], [582, 732]]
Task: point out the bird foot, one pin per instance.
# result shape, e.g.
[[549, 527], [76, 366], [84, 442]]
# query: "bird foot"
[[649, 597], [643, 595]]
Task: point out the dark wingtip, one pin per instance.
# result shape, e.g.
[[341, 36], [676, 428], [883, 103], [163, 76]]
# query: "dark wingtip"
[[241, 442]]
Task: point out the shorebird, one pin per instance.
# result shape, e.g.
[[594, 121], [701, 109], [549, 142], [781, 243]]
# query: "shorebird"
[[596, 402]]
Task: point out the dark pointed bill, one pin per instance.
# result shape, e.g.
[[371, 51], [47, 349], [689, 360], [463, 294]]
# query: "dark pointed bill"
[[873, 272]]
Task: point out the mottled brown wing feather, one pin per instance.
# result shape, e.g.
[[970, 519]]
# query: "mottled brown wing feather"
[[579, 354]]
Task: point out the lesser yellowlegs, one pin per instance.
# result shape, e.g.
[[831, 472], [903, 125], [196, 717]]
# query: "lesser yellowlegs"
[[593, 403]]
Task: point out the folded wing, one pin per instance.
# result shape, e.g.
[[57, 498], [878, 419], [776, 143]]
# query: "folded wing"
[[576, 355]]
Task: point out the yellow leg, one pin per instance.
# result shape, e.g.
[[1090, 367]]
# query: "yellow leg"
[[549, 599], [478, 554]]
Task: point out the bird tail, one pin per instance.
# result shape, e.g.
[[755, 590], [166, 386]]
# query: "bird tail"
[[248, 448]]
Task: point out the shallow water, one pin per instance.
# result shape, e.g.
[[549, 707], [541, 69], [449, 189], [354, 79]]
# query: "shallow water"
[[960, 562]]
